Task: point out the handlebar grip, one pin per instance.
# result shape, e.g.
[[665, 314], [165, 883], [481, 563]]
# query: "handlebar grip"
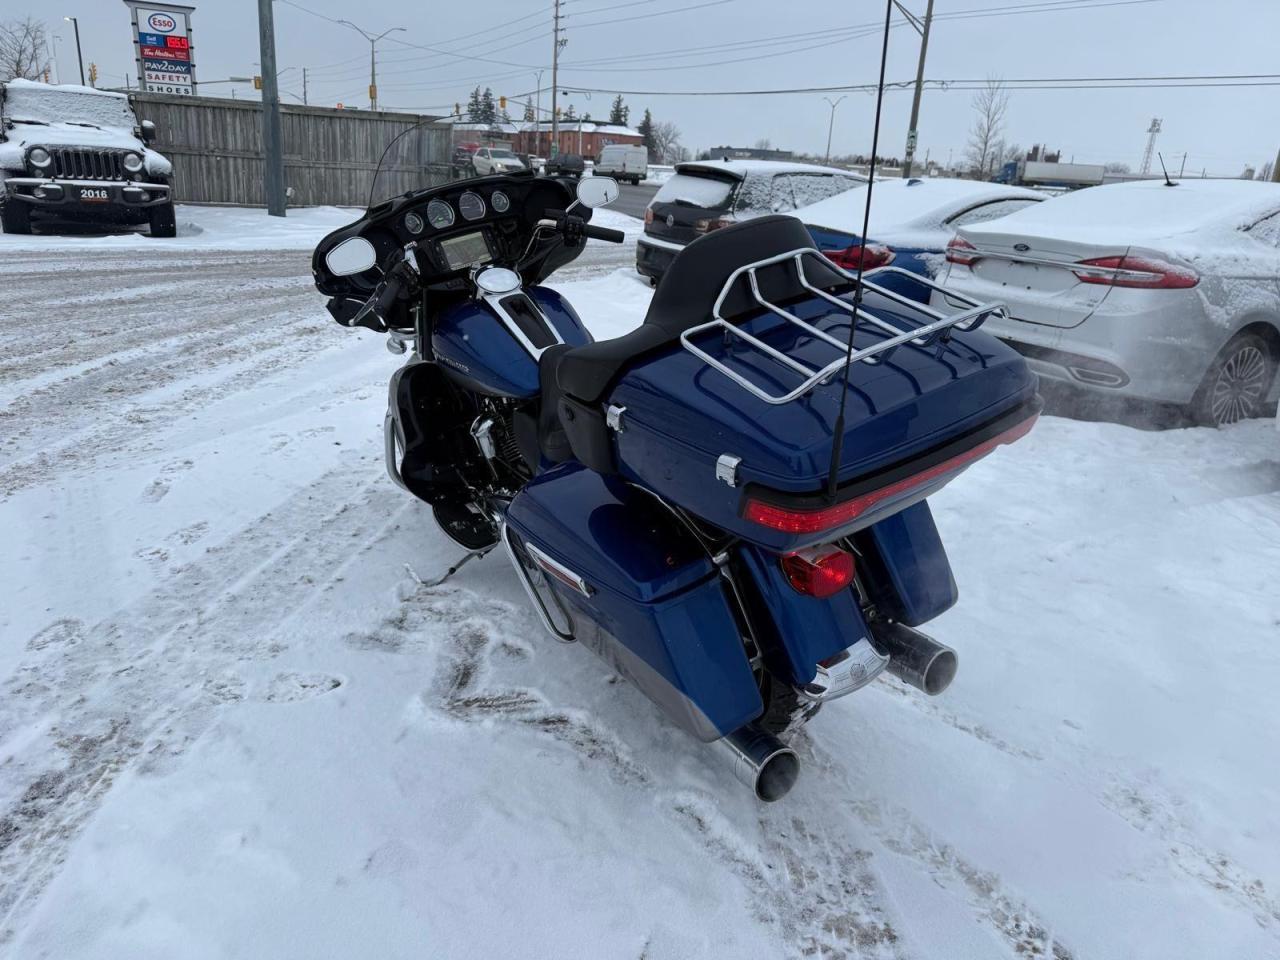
[[604, 233]]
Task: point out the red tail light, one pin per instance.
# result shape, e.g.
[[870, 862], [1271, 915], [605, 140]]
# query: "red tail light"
[[648, 215], [962, 252], [1147, 273], [820, 571], [799, 520], [706, 226], [868, 256]]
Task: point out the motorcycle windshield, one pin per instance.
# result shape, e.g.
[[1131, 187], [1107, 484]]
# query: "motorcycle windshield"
[[405, 158]]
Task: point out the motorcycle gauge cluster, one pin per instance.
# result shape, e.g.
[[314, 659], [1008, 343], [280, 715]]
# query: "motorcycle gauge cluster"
[[413, 223], [471, 205], [440, 214], [500, 202]]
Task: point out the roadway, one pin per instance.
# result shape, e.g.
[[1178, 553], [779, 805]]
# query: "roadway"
[[633, 199]]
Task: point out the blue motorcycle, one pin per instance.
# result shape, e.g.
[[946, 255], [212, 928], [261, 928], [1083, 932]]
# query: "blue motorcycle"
[[729, 503]]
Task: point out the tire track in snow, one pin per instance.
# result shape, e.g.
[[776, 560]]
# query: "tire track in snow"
[[135, 690]]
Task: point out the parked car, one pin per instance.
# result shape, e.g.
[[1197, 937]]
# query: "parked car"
[[76, 154], [565, 165], [488, 160], [463, 164], [623, 161], [912, 221], [705, 195], [1167, 293]]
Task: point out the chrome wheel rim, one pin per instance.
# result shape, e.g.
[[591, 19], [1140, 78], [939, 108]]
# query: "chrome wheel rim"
[[1237, 392]]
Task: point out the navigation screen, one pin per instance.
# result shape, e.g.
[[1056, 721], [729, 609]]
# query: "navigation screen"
[[465, 251]]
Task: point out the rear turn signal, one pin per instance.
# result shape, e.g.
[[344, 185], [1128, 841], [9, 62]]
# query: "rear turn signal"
[[1147, 273], [866, 256], [819, 571], [962, 252]]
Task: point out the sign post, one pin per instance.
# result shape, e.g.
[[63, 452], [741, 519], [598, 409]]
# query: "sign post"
[[162, 47]]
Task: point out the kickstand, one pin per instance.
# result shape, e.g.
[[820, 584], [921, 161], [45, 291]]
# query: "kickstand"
[[451, 571]]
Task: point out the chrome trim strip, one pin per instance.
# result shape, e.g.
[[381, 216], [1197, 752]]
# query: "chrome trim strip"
[[848, 671], [534, 597], [495, 304], [559, 571]]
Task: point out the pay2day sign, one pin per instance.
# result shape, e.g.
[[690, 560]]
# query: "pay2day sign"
[[162, 47]]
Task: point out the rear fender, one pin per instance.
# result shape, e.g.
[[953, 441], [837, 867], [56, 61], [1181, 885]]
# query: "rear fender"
[[903, 567], [794, 631]]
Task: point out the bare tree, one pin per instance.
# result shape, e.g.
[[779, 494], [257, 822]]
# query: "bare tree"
[[764, 143], [24, 49], [985, 140], [1116, 166], [666, 141]]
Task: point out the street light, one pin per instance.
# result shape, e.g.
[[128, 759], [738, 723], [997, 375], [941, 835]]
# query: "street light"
[[831, 124], [373, 58], [76, 23]]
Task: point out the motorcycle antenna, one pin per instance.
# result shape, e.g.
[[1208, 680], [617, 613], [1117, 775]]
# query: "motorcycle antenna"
[[373, 184], [838, 437]]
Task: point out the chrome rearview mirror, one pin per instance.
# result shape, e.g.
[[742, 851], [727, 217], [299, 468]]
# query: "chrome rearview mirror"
[[353, 255], [597, 191]]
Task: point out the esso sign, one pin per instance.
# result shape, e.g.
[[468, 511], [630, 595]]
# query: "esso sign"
[[161, 23]]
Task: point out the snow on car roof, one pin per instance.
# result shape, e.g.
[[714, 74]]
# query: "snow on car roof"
[[1141, 210], [907, 203], [740, 168]]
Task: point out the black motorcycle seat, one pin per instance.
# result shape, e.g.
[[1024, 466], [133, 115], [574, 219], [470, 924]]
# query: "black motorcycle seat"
[[687, 294]]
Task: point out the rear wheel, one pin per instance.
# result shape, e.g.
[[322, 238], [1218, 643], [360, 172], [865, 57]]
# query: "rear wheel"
[[164, 221], [784, 709], [1236, 386], [15, 217]]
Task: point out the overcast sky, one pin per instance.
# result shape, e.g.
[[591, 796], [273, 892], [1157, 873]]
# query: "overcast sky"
[[682, 45]]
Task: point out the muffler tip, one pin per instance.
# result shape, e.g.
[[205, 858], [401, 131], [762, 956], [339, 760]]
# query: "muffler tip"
[[915, 658], [940, 671], [777, 776], [762, 761]]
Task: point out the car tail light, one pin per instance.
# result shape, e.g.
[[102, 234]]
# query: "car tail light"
[[961, 251], [820, 571], [648, 215], [866, 256], [1147, 273], [797, 520], [706, 226]]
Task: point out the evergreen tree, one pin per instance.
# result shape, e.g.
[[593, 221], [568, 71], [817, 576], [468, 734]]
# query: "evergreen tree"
[[569, 114], [488, 108], [646, 132], [474, 108], [529, 115], [619, 113], [586, 118]]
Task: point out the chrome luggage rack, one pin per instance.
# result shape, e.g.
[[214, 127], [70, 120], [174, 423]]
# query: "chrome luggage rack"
[[935, 332]]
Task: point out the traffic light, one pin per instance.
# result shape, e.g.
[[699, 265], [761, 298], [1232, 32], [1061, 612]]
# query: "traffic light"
[[457, 109], [502, 103], [257, 83], [93, 74]]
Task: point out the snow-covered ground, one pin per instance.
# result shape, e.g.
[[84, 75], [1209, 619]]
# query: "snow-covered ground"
[[233, 723]]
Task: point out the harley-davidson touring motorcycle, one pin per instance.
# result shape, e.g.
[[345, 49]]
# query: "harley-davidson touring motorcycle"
[[728, 503]]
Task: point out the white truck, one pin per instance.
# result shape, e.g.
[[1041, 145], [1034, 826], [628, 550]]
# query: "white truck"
[[624, 162], [71, 153], [1038, 173]]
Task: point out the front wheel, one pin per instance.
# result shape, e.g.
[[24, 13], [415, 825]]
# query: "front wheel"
[[164, 221], [1237, 384], [15, 216]]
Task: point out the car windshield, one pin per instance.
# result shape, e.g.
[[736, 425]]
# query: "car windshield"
[[46, 103], [709, 191], [502, 155]]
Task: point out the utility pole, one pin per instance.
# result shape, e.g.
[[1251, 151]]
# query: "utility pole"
[[909, 156], [373, 58], [537, 119], [304, 87], [831, 125], [556, 44], [272, 149], [1275, 170], [79, 56], [1152, 132]]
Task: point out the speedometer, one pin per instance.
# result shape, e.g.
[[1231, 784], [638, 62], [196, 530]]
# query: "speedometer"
[[500, 202], [471, 205], [440, 214], [413, 223]]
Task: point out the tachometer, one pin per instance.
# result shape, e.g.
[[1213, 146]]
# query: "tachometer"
[[471, 205], [413, 223], [440, 214], [500, 202]]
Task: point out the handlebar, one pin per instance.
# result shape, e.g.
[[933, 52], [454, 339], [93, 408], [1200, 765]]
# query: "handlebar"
[[603, 233]]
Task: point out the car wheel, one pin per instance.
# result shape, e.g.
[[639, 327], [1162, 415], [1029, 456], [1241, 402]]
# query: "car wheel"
[[1236, 386], [164, 222], [15, 217]]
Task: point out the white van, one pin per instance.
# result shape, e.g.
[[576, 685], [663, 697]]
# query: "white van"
[[623, 161]]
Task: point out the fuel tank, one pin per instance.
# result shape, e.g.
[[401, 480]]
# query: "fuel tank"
[[491, 345]]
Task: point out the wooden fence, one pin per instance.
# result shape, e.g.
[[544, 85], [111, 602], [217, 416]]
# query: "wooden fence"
[[329, 155]]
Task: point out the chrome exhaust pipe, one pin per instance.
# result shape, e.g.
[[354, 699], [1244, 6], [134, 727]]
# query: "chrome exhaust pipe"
[[915, 658], [761, 761]]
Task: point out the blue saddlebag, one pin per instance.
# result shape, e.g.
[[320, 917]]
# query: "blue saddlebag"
[[642, 593]]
